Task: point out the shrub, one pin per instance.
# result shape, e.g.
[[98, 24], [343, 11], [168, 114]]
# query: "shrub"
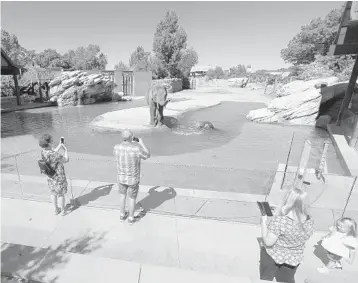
[[328, 66]]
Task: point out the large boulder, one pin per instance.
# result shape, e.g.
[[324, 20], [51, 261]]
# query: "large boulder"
[[300, 86], [78, 87], [237, 82], [303, 102]]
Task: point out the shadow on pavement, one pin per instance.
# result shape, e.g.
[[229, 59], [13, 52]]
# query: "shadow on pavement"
[[36, 263], [320, 252], [93, 195], [154, 199]]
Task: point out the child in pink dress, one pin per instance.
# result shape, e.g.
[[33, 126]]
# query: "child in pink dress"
[[340, 243]]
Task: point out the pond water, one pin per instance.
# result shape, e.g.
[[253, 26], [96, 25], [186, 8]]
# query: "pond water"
[[74, 124], [229, 119]]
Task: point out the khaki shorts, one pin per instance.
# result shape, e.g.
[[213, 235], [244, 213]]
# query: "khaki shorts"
[[131, 189]]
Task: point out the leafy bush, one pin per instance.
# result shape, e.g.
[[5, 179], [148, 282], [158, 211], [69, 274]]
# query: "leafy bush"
[[327, 66], [216, 73]]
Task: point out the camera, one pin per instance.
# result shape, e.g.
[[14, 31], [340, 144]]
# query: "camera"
[[135, 139]]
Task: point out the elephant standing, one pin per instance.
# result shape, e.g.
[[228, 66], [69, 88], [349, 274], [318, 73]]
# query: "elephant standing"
[[156, 98]]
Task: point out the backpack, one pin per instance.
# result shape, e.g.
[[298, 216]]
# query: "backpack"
[[45, 167]]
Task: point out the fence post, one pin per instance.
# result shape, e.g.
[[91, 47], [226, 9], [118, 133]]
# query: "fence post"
[[349, 196], [18, 176], [302, 167]]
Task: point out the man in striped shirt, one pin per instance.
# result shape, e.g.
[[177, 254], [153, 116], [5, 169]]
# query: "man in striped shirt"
[[128, 156]]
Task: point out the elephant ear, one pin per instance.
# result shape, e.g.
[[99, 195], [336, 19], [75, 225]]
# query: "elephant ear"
[[161, 96], [149, 95]]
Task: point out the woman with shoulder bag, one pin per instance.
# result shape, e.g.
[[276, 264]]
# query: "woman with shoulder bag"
[[57, 181], [284, 238]]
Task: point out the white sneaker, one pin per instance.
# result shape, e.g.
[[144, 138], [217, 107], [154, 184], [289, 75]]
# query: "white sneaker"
[[338, 265], [323, 269]]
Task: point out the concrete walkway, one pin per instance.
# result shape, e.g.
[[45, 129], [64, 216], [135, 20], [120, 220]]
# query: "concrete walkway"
[[91, 245], [186, 202]]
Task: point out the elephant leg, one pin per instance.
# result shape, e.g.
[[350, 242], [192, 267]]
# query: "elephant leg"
[[153, 113], [160, 115]]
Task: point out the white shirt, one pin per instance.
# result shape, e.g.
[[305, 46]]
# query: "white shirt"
[[339, 243]]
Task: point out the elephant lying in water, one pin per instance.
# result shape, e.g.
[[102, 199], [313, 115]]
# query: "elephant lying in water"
[[205, 125], [156, 98]]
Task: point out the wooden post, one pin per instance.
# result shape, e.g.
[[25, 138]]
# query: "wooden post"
[[302, 167], [47, 91], [275, 85], [349, 92], [40, 90], [32, 88], [17, 90], [266, 81]]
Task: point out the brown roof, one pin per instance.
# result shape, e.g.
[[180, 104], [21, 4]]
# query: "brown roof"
[[7, 66]]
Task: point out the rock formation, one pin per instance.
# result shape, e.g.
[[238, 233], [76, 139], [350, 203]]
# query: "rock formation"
[[237, 82], [78, 87], [314, 102]]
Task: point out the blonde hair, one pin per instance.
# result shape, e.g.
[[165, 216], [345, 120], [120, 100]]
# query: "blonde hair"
[[294, 200], [352, 225]]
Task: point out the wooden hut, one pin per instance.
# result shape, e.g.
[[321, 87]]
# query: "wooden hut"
[[8, 68]]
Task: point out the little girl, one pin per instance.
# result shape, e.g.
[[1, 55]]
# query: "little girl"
[[340, 243]]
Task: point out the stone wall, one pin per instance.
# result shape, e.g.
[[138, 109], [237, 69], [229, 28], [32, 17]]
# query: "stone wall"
[[173, 85]]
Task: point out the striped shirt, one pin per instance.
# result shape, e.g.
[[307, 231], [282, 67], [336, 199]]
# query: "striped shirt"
[[128, 156]]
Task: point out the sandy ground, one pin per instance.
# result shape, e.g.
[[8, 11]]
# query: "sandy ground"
[[138, 118]]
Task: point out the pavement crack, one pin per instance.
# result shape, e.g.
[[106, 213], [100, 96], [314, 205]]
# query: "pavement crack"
[[205, 202], [140, 273]]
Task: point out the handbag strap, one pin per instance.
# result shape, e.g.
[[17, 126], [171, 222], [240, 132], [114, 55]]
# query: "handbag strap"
[[48, 161]]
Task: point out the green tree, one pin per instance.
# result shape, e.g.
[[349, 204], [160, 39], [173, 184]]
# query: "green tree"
[[157, 67], [139, 60], [121, 66], [216, 73], [49, 58], [18, 54], [238, 71], [170, 40], [188, 59], [85, 58], [313, 39]]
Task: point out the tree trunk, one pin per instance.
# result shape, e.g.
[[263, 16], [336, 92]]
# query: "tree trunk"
[[17, 90], [40, 91]]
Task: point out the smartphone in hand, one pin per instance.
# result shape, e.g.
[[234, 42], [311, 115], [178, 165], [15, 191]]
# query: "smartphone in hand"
[[265, 208], [62, 140]]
